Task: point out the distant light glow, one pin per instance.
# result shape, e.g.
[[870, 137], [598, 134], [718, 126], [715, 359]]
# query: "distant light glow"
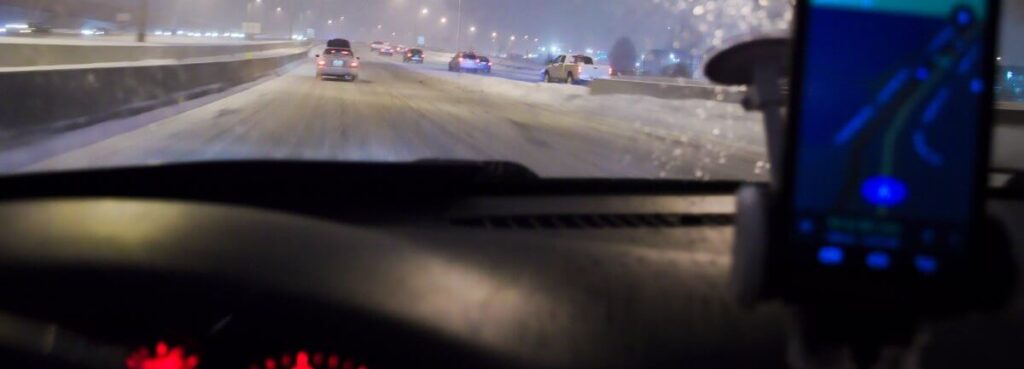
[[1009, 74]]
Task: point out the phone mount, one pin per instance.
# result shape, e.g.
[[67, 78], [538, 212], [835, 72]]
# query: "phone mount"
[[760, 65], [827, 335]]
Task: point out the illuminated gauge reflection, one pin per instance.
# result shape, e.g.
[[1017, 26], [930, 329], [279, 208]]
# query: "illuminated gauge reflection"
[[305, 360], [162, 357]]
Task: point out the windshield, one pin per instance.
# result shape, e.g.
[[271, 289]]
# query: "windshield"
[[579, 59], [342, 52], [184, 81]]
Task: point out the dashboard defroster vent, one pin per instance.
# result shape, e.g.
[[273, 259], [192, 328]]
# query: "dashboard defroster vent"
[[592, 221]]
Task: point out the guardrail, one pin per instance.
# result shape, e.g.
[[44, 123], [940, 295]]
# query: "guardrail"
[[43, 102], [30, 54]]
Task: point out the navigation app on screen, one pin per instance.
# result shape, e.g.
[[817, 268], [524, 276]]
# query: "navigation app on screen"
[[890, 102]]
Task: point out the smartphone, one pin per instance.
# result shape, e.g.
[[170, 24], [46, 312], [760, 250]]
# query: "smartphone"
[[888, 140]]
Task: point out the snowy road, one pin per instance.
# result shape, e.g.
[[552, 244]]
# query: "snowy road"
[[398, 112]]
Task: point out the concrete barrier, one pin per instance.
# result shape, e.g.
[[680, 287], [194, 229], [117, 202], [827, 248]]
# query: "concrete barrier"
[[1010, 113], [44, 102], [665, 90], [29, 54]]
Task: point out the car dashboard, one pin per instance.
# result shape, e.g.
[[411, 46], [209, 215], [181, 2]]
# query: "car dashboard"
[[552, 276]]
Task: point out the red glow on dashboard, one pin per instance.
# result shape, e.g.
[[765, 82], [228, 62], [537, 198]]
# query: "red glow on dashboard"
[[302, 361], [269, 363], [318, 359], [165, 357], [333, 361]]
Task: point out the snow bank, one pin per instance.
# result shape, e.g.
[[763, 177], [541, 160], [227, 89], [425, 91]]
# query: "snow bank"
[[706, 131]]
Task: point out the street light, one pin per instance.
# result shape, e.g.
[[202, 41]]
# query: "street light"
[[494, 34], [472, 29], [425, 11], [444, 20]]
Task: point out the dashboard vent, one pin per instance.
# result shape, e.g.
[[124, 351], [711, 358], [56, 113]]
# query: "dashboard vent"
[[593, 221]]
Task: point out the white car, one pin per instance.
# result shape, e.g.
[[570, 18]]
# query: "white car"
[[575, 69], [339, 63], [376, 45], [464, 62]]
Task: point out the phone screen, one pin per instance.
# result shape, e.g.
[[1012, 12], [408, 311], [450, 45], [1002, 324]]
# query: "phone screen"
[[890, 124]]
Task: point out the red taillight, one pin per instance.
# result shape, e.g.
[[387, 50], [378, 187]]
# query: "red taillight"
[[355, 64], [460, 60], [490, 63], [321, 62], [611, 71]]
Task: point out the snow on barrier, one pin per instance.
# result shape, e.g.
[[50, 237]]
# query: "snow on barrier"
[[38, 54], [40, 102], [665, 89]]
